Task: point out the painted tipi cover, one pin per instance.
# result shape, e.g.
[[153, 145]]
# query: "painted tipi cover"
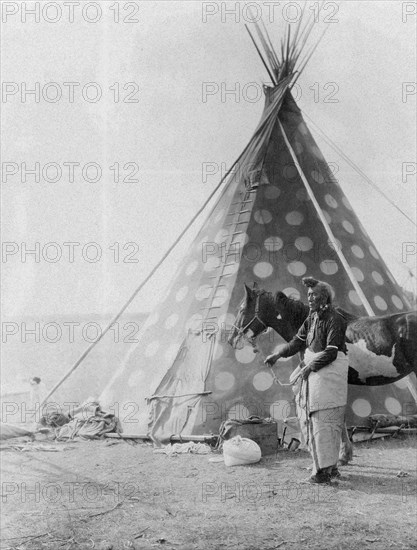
[[281, 216]]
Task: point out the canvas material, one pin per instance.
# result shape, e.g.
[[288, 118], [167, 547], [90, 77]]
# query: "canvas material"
[[328, 387], [263, 228], [325, 434]]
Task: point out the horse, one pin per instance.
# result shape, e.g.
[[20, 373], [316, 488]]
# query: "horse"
[[381, 349]]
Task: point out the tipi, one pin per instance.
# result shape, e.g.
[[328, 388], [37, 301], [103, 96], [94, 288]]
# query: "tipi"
[[281, 216]]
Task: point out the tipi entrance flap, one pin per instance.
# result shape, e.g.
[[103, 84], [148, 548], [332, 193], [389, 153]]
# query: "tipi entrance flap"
[[174, 405]]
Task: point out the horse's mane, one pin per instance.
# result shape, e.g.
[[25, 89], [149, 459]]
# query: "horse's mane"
[[297, 304], [299, 310], [348, 317], [295, 308]]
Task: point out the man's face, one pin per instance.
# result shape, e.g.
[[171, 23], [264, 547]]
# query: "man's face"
[[314, 299]]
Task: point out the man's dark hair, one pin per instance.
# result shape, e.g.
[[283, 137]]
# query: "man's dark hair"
[[325, 289]]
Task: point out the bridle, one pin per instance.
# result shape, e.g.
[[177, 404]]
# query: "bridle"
[[241, 332]]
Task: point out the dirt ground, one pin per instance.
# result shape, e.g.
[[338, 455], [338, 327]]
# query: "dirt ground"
[[111, 494]]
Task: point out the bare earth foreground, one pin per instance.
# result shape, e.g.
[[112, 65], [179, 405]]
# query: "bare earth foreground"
[[111, 494]]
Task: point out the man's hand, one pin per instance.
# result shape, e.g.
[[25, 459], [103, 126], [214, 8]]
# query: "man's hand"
[[272, 359], [305, 373]]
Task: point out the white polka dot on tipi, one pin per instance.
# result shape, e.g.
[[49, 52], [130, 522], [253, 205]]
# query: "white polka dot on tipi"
[[245, 355], [224, 381], [273, 244], [304, 243], [292, 293], [294, 218], [361, 407], [393, 405], [272, 192], [262, 381], [263, 270]]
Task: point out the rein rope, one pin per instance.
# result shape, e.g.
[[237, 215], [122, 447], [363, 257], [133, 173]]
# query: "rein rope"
[[274, 376]]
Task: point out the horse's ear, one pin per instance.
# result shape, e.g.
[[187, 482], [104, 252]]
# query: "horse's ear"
[[248, 291], [255, 285]]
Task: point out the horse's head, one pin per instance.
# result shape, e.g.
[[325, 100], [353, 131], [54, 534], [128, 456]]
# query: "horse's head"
[[252, 318], [260, 310]]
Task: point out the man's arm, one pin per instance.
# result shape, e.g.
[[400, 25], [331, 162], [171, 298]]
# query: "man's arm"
[[298, 343], [325, 358], [293, 347]]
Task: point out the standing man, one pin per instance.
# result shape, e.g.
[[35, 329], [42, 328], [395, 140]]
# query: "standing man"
[[323, 391]]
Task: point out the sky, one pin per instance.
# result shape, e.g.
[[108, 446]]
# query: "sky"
[[128, 113]]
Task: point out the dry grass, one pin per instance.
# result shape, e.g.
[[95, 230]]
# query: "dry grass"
[[94, 494]]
